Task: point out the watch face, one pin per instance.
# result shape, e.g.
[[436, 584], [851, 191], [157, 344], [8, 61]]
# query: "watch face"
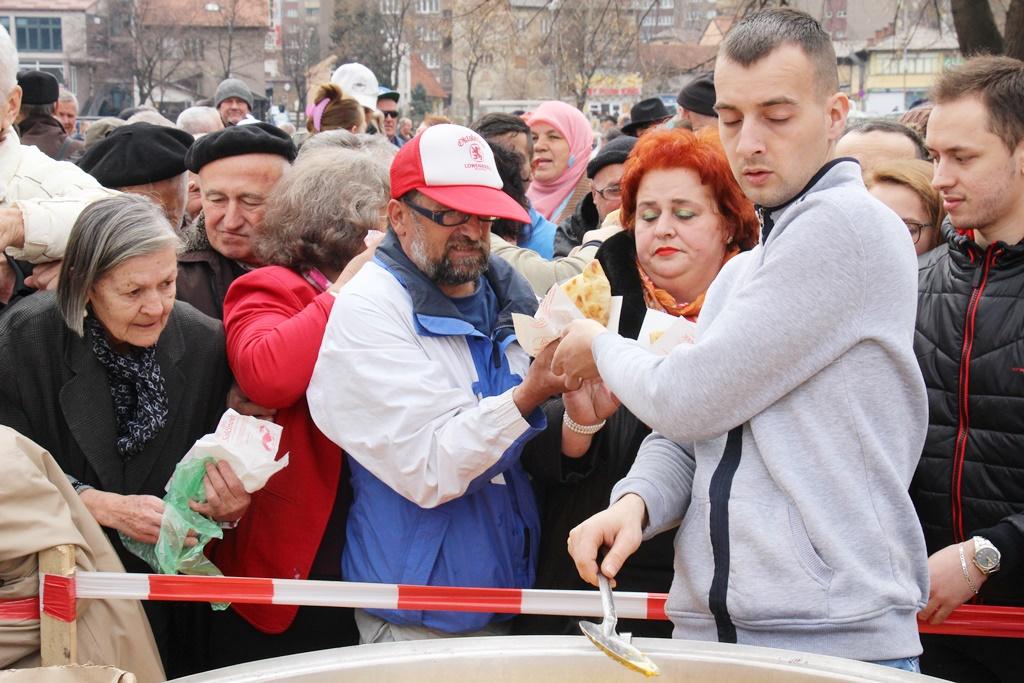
[[987, 559]]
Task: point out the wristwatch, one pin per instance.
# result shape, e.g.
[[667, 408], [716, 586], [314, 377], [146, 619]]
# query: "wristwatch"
[[986, 556]]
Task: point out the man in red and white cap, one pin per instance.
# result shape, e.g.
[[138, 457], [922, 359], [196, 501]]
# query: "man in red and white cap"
[[420, 380]]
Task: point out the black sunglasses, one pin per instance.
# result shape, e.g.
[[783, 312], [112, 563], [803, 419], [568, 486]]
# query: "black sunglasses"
[[390, 114], [449, 218]]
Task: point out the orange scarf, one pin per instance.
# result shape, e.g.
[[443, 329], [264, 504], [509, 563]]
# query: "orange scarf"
[[657, 298]]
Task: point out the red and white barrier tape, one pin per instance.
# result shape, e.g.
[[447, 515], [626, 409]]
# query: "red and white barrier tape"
[[60, 593], [363, 595]]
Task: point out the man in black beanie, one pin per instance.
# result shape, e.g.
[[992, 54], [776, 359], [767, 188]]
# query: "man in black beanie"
[[145, 159], [36, 123], [605, 172], [238, 168], [697, 103]]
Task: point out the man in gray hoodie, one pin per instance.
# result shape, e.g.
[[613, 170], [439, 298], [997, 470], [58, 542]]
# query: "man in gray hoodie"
[[787, 435]]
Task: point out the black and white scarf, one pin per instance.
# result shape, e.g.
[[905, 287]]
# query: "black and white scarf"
[[137, 387]]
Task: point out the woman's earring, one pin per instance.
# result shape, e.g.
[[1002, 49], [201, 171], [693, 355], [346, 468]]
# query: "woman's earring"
[[729, 241]]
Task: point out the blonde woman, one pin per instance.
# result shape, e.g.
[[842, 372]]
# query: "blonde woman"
[[905, 186]]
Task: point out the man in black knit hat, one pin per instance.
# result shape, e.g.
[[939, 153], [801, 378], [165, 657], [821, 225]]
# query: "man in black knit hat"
[[36, 123], [697, 103]]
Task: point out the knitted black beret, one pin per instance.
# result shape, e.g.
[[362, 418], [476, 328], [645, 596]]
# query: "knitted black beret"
[[38, 87], [254, 138], [614, 152], [137, 154]]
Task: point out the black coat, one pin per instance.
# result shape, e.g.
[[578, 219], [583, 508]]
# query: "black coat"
[[970, 345], [54, 391], [570, 231], [574, 489]]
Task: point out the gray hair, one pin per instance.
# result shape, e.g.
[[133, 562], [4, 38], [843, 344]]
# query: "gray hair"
[[150, 116], [67, 96], [321, 210], [107, 233], [376, 145], [8, 63], [196, 120], [762, 32]]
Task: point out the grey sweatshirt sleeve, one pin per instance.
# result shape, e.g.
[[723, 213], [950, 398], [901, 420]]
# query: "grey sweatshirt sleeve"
[[799, 312], [662, 475]]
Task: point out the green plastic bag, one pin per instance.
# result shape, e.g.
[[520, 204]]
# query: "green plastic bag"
[[170, 555]]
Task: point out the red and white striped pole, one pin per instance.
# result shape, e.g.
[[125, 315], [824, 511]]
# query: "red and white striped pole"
[[59, 594]]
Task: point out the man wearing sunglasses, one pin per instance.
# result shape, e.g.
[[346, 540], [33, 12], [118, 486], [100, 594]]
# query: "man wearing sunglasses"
[[387, 104], [420, 380]]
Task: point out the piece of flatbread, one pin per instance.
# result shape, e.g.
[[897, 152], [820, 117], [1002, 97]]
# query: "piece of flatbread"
[[591, 292]]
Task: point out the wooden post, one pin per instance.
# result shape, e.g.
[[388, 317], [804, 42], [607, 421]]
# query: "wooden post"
[[57, 639]]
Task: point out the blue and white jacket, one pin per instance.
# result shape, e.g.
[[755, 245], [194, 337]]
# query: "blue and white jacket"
[[422, 404]]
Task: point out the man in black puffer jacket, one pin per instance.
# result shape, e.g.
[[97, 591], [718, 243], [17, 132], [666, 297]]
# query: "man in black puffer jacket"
[[969, 485]]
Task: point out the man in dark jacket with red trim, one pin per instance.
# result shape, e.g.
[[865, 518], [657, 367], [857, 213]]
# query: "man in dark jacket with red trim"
[[969, 486]]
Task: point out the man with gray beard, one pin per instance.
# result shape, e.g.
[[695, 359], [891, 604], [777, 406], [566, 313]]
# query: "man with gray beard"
[[421, 382]]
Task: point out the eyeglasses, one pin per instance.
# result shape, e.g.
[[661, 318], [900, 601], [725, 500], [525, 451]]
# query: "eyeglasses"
[[610, 192], [390, 114], [449, 218], [915, 229]]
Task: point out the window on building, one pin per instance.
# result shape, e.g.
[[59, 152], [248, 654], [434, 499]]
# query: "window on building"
[[665, 20], [430, 60], [390, 6], [6, 23], [38, 34], [292, 13], [666, 4], [648, 20], [840, 13], [312, 12], [428, 6], [193, 48]]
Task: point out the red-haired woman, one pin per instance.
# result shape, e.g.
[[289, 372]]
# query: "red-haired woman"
[[685, 217]]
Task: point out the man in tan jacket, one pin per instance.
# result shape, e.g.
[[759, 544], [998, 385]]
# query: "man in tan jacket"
[[38, 510]]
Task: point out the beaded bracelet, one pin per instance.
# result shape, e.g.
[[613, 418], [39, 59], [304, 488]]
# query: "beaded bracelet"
[[585, 430]]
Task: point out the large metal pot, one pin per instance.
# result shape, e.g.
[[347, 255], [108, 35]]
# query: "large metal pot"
[[559, 659]]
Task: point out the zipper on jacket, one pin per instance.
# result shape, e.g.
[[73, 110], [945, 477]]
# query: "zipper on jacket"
[[719, 492], [963, 393]]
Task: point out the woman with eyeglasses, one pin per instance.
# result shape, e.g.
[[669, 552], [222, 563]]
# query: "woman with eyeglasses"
[[684, 218], [905, 186]]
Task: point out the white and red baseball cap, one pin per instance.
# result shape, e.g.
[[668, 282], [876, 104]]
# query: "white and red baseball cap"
[[454, 166]]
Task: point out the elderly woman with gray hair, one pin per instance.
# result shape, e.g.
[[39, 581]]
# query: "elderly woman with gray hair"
[[314, 239], [117, 380]]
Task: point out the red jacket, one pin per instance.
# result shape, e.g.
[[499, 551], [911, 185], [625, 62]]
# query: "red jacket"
[[275, 321]]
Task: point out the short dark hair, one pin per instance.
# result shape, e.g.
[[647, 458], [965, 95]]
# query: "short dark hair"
[[762, 32], [509, 164], [36, 110], [884, 126], [491, 126], [999, 83]]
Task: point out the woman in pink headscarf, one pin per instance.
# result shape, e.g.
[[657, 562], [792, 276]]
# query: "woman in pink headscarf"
[[562, 139]]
